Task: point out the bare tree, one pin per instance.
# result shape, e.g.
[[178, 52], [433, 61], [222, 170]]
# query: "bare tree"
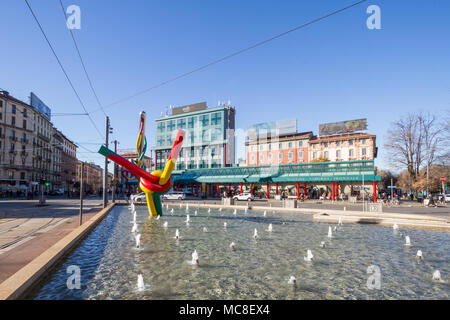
[[404, 144], [417, 140]]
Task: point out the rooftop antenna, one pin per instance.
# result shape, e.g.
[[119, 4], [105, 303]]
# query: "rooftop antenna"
[[229, 102]]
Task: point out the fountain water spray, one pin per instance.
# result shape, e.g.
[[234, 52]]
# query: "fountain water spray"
[[270, 228], [419, 254], [177, 234], [195, 257], [187, 219], [224, 224], [138, 240], [255, 234], [209, 210], [330, 233], [140, 283], [265, 213], [407, 241], [165, 224], [195, 212], [309, 255], [437, 275], [171, 211], [395, 226], [335, 228], [157, 217], [220, 209], [340, 221], [232, 246], [292, 280], [234, 212], [204, 229], [322, 244], [134, 228]]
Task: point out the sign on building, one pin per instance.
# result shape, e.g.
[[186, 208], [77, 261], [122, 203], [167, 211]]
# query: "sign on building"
[[189, 108], [40, 106], [342, 127], [272, 128]]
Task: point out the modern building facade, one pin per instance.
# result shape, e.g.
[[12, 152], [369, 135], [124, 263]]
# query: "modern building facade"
[[209, 140]]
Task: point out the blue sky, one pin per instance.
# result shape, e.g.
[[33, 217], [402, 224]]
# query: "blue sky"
[[336, 69]]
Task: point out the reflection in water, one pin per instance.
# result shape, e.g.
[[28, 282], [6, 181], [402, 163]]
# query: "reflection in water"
[[233, 266]]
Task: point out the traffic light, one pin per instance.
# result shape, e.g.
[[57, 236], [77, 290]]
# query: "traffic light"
[[44, 181]]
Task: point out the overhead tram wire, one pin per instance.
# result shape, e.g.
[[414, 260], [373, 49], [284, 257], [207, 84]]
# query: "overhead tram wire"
[[62, 68], [82, 61], [231, 55]]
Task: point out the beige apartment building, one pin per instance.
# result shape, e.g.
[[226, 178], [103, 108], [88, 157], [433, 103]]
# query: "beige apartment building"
[[345, 147], [282, 149], [16, 132], [30, 148]]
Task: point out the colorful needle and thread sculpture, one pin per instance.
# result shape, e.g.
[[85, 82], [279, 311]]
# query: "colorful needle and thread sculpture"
[[156, 183]]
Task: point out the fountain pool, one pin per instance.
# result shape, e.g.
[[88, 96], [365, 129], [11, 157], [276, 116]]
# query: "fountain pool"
[[110, 263]]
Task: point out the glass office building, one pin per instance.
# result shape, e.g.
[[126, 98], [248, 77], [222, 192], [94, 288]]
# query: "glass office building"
[[209, 140]]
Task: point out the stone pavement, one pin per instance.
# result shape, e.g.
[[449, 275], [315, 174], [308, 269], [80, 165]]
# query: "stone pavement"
[[27, 230]]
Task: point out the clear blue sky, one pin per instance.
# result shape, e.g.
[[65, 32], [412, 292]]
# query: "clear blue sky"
[[333, 70]]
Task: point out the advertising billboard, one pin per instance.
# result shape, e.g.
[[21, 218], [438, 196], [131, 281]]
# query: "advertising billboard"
[[189, 108], [40, 106], [272, 128], [342, 127]]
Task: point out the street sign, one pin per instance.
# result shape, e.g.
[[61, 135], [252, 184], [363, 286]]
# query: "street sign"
[[442, 178], [393, 187]]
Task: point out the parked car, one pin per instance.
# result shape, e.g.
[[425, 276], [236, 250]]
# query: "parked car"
[[447, 197], [138, 197], [177, 195], [246, 196]]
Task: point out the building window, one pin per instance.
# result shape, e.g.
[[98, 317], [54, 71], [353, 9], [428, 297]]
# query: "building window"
[[325, 154], [24, 113], [13, 109], [13, 121], [24, 124], [161, 126], [191, 122], [13, 134], [270, 156], [216, 118], [253, 158], [300, 144], [270, 146], [261, 157], [350, 142], [205, 120], [338, 154], [261, 147], [314, 155], [290, 145], [24, 137], [350, 153], [181, 123], [171, 125], [363, 141], [363, 151], [290, 154], [338, 144], [280, 146], [325, 145], [300, 154], [280, 156]]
